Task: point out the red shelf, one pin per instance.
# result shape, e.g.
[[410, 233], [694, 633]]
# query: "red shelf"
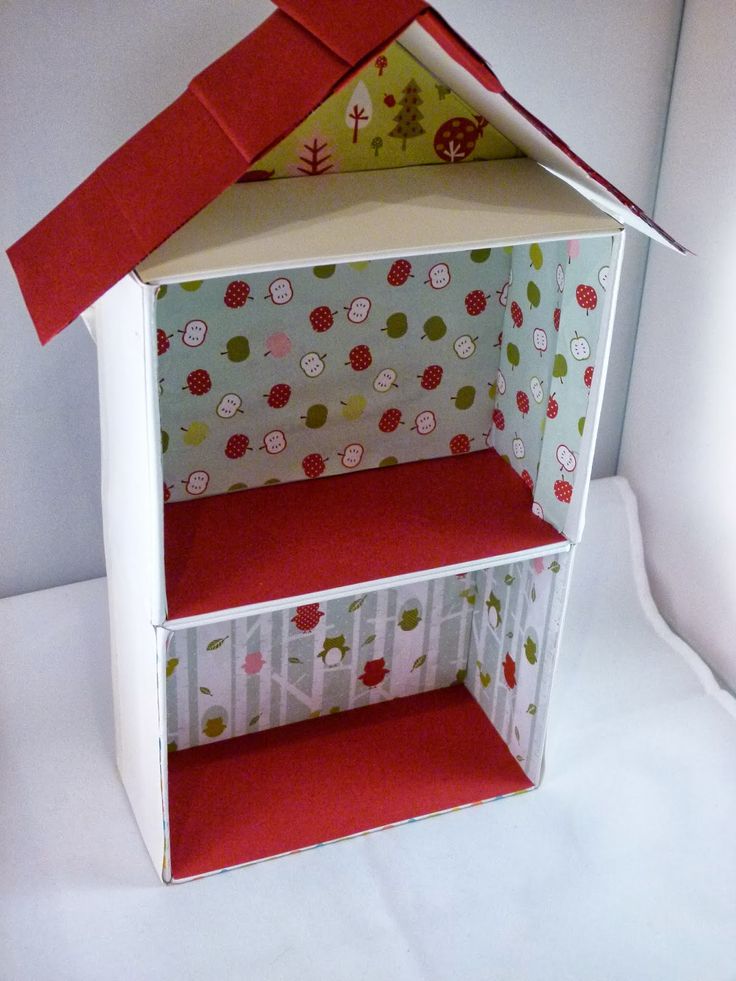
[[272, 792], [273, 542]]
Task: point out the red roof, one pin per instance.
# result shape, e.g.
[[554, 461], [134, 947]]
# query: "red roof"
[[204, 141]]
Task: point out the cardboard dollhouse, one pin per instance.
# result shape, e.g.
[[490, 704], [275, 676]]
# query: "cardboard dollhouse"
[[347, 428]]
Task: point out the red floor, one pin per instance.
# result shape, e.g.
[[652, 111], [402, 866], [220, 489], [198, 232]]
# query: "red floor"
[[302, 537], [272, 792]]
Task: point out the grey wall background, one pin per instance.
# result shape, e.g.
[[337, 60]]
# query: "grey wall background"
[[78, 77]]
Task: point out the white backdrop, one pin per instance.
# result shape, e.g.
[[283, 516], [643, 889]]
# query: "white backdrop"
[[78, 77], [680, 434]]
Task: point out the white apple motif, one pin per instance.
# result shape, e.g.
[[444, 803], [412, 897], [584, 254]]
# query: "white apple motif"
[[439, 276], [274, 442], [579, 348], [280, 291], [465, 346], [604, 274], [539, 338], [312, 364], [425, 423], [535, 386], [197, 482], [503, 294], [538, 510], [229, 405], [194, 333], [359, 309], [352, 455], [384, 380], [500, 382], [560, 275], [493, 617], [566, 458], [518, 447]]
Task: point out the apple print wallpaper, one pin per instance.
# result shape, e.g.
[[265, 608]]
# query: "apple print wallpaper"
[[495, 631], [320, 371]]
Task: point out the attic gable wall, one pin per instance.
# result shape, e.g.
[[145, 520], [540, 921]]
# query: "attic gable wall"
[[392, 113]]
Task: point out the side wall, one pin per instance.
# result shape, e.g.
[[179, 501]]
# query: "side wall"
[[131, 490], [678, 447]]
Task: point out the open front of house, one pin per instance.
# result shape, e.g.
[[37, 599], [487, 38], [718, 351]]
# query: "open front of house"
[[348, 425]]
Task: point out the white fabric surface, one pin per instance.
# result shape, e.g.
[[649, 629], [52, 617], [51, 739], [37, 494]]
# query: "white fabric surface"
[[622, 866]]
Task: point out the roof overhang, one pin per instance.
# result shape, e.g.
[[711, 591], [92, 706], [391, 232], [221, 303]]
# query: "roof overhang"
[[204, 141]]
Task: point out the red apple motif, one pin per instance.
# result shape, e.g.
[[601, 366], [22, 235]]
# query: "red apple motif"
[[360, 357], [475, 302], [563, 490], [587, 297], [321, 319], [498, 420], [307, 617], [460, 444], [237, 446], [279, 395], [389, 100], [313, 465], [509, 671], [198, 382], [552, 407], [431, 377], [516, 315], [167, 493], [374, 672], [237, 294], [399, 272], [527, 478], [390, 420], [556, 318], [588, 376], [522, 402], [162, 341]]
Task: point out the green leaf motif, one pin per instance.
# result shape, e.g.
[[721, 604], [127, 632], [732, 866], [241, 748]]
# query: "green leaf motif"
[[532, 710], [356, 604], [295, 660], [205, 691], [369, 640], [554, 567], [534, 594], [215, 644], [509, 579], [530, 650], [461, 676], [255, 719], [469, 595], [516, 733], [171, 666], [419, 662], [485, 679]]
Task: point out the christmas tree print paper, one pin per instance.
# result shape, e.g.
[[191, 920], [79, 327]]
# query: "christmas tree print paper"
[[393, 113]]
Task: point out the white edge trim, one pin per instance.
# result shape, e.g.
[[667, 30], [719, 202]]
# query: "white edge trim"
[[287, 602]]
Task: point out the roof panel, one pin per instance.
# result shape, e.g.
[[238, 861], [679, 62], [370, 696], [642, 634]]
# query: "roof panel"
[[352, 30], [264, 86]]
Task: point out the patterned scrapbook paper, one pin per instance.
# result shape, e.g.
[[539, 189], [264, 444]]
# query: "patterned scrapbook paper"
[[393, 113], [551, 327], [255, 673], [311, 372], [515, 634]]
